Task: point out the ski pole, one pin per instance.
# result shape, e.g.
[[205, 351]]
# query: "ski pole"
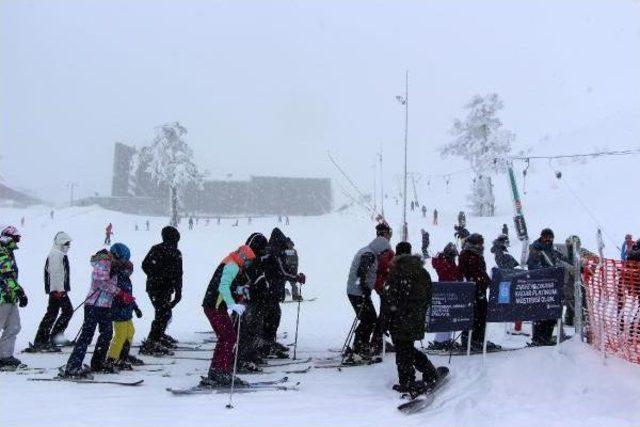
[[76, 309], [295, 341], [451, 344], [235, 366], [351, 331]]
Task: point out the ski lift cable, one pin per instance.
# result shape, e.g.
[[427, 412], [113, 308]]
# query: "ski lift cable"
[[349, 180], [584, 206], [628, 152]]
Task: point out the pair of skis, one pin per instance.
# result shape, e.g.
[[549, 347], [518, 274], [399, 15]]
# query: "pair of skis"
[[281, 384]]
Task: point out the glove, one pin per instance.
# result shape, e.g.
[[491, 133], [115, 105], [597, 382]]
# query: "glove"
[[176, 298], [126, 297], [138, 312], [238, 309], [301, 278], [22, 299]]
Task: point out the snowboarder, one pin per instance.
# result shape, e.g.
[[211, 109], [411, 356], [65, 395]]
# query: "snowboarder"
[[121, 312], [360, 283], [435, 217], [217, 300], [474, 269], [276, 276], [542, 254], [12, 296], [626, 246], [190, 223], [504, 260], [97, 313], [108, 232], [57, 286], [424, 211], [163, 267], [448, 271], [407, 297]]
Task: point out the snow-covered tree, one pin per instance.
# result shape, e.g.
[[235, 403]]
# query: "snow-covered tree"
[[169, 162], [480, 139]]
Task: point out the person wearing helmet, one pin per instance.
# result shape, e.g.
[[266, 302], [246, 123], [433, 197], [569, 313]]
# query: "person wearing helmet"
[[163, 267], [218, 300], [57, 286], [12, 296]]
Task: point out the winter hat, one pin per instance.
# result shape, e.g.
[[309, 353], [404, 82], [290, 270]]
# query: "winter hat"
[[120, 251], [170, 235], [258, 243], [475, 239], [382, 228], [245, 254], [450, 251], [403, 248], [547, 232], [12, 232], [61, 238]]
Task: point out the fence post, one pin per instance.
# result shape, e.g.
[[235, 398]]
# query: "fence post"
[[603, 304], [577, 290]]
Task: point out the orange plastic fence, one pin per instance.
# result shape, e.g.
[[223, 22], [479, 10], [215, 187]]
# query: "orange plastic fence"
[[612, 293]]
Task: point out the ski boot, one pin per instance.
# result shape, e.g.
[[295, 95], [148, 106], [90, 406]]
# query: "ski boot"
[[123, 365], [248, 367], [81, 373], [154, 348], [493, 347], [42, 348], [11, 364], [132, 360], [168, 342], [439, 345]]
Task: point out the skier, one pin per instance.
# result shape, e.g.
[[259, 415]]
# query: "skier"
[[190, 223], [360, 282], [407, 297], [121, 311], [107, 234], [474, 269], [22, 222], [51, 214], [626, 246], [384, 264], [505, 230], [291, 266], [163, 267], [448, 271], [216, 301], [435, 217], [12, 296], [542, 254], [413, 206], [286, 220], [424, 211], [56, 285], [276, 276], [504, 260], [97, 313], [147, 225]]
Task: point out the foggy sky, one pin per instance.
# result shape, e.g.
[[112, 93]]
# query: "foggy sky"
[[267, 88]]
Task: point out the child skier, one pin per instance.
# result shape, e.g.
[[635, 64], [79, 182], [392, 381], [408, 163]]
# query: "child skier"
[[11, 296], [56, 285], [121, 312], [217, 300], [97, 313]]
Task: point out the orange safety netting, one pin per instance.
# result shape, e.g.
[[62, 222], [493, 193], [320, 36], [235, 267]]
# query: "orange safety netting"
[[612, 294]]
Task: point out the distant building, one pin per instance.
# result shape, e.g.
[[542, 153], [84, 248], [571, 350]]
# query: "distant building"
[[134, 191]]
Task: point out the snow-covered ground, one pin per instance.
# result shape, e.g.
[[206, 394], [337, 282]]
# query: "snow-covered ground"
[[521, 388]]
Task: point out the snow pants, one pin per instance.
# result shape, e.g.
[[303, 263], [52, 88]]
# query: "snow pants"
[[408, 359], [222, 325], [366, 313], [272, 316], [161, 302], [94, 317], [251, 333], [122, 333], [60, 305], [10, 326], [479, 323], [543, 330]]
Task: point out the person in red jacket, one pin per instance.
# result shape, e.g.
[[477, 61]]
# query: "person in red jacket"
[[474, 269], [384, 264], [445, 265]]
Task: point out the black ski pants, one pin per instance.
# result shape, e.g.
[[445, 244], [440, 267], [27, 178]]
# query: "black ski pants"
[[272, 316], [49, 326], [408, 359], [161, 302], [543, 330], [250, 333], [479, 323], [366, 313]]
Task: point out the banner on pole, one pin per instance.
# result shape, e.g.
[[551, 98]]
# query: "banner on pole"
[[526, 295], [452, 306]]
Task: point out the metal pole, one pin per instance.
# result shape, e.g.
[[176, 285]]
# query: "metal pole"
[[235, 366], [375, 191], [295, 342], [577, 290], [406, 132], [381, 185]]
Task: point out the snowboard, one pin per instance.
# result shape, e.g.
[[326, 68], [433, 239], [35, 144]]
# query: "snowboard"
[[423, 400]]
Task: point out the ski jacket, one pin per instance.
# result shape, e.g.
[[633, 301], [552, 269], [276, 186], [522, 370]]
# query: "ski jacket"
[[10, 290], [275, 270], [103, 285], [219, 288], [503, 258], [407, 296], [446, 269], [543, 256], [121, 270], [163, 267], [474, 269], [364, 267], [56, 267], [385, 260]]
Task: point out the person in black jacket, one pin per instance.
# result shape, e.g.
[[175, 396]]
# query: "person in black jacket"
[[163, 267], [407, 297], [503, 258]]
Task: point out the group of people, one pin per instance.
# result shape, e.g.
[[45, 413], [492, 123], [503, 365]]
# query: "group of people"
[[243, 296]]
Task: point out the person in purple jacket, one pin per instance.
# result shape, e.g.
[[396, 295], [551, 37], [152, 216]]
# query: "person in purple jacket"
[[97, 313]]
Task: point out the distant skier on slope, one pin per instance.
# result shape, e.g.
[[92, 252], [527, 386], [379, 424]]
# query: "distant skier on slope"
[[108, 232]]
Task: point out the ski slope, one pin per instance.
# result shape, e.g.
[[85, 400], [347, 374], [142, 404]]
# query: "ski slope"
[[521, 388]]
